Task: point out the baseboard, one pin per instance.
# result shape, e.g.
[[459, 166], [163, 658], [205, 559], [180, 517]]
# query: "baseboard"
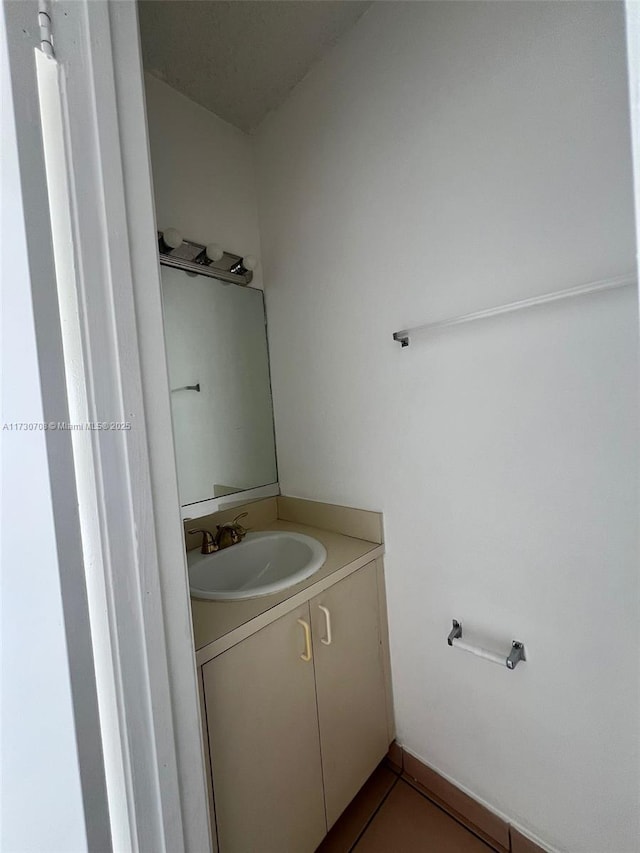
[[498, 833], [521, 844], [395, 758]]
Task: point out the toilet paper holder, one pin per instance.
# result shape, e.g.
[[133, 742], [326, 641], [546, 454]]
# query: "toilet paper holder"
[[511, 660]]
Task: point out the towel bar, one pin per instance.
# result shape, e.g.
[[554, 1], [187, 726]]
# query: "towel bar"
[[403, 337]]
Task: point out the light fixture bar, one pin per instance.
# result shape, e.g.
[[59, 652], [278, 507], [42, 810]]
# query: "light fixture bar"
[[195, 258]]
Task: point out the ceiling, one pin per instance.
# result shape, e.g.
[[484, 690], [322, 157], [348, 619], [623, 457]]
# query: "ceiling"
[[240, 59]]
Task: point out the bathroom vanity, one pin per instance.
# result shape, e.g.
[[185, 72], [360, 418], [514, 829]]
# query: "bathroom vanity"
[[295, 686]]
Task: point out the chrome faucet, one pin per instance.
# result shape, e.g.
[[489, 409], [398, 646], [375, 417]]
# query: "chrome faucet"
[[227, 534]]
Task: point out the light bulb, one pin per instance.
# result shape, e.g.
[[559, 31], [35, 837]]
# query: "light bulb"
[[172, 237], [214, 252], [249, 262]]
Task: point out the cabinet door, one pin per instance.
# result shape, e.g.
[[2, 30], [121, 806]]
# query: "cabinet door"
[[263, 738], [350, 685]]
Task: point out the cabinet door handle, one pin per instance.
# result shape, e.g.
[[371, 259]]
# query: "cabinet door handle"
[[327, 616], [307, 640]]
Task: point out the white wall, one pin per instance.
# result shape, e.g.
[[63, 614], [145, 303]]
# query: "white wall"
[[444, 158], [203, 173]]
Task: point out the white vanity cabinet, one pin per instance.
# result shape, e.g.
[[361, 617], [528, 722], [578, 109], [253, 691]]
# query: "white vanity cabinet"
[[297, 719], [260, 702], [348, 658]]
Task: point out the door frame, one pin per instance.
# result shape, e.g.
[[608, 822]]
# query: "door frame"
[[632, 21], [128, 510]]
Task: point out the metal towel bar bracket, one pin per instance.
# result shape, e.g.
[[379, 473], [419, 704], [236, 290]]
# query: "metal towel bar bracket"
[[510, 661], [187, 388]]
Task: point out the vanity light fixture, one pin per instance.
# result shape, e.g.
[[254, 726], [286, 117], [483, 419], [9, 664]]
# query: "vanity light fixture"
[[214, 252], [245, 265], [211, 260], [172, 238]]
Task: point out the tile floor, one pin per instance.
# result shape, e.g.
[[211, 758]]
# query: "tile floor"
[[391, 816]]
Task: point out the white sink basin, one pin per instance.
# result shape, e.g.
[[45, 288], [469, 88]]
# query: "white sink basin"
[[261, 564]]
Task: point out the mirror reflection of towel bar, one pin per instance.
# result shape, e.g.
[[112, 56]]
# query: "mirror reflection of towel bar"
[[510, 661], [187, 388]]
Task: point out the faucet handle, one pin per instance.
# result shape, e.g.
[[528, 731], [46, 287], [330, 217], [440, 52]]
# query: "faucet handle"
[[232, 530], [209, 544], [235, 530], [239, 528]]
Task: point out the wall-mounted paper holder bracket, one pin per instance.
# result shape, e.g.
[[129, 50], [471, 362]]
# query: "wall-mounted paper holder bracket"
[[510, 661]]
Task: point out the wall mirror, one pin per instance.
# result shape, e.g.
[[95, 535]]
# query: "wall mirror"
[[216, 340]]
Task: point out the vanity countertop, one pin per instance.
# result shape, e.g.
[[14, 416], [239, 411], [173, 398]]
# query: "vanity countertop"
[[217, 625]]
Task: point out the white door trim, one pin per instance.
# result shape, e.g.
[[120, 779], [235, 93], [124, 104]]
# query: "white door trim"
[[166, 531], [49, 700], [138, 599], [632, 20]]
